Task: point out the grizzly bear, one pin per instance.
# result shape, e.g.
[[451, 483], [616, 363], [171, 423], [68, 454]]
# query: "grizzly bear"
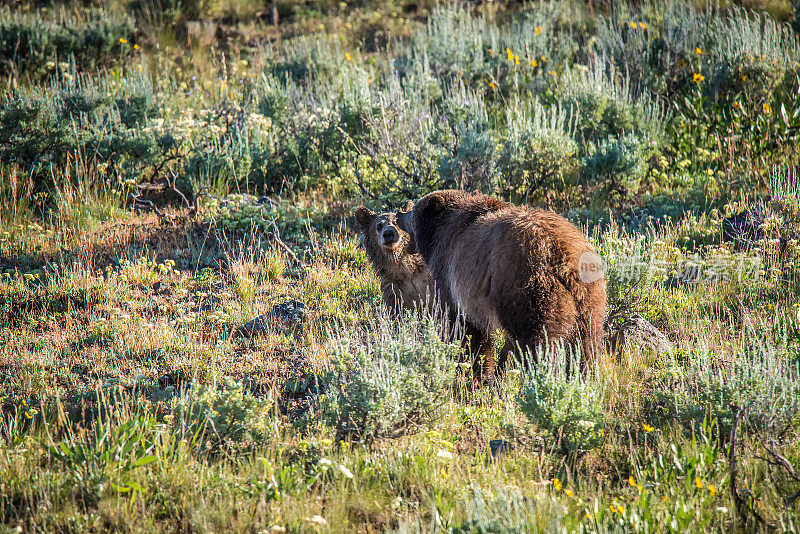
[[406, 283], [529, 273]]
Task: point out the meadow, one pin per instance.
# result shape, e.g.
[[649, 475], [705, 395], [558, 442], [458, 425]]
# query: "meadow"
[[191, 335]]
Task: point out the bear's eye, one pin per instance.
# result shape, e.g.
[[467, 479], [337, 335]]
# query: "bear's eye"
[[380, 226]]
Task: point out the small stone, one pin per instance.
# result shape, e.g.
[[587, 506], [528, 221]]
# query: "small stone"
[[289, 313], [500, 447], [745, 228], [638, 331], [258, 326]]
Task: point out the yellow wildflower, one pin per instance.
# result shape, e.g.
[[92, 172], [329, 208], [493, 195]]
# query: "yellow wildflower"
[[766, 108], [491, 84], [712, 490], [553, 73], [633, 25], [443, 473], [538, 29], [557, 484], [698, 77], [647, 428], [347, 56], [123, 40], [698, 51], [640, 488], [631, 480], [569, 493], [136, 47], [516, 60], [737, 105], [643, 25], [533, 63], [698, 482], [509, 54], [612, 508], [491, 51]]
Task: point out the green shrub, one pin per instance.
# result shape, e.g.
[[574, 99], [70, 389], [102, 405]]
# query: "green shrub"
[[472, 164], [306, 58], [70, 121], [605, 105], [702, 386], [34, 46], [538, 156], [618, 162], [506, 511], [568, 405], [312, 134], [245, 213], [107, 456], [387, 384], [225, 414]]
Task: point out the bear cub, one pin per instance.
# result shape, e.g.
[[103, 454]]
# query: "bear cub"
[[406, 282]]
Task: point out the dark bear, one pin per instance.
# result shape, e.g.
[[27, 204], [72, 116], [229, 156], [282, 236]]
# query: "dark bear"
[[406, 282], [528, 273]]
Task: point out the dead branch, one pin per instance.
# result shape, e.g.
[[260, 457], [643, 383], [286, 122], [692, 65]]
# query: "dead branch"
[[284, 246], [359, 182], [742, 507], [172, 185], [776, 459], [140, 203]]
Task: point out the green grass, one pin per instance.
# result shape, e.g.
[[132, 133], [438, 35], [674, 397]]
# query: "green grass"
[[129, 402]]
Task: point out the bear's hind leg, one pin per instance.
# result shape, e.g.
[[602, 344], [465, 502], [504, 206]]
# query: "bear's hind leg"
[[480, 350]]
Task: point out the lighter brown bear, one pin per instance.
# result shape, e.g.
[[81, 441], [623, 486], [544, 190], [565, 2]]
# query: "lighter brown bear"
[[406, 282], [526, 272]]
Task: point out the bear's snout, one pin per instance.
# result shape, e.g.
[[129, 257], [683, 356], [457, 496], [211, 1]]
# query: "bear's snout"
[[404, 219], [389, 236]]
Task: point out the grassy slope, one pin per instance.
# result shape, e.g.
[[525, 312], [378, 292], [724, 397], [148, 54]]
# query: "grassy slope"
[[93, 357]]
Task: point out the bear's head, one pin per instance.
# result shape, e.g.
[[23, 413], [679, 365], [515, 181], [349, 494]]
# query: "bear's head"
[[380, 230], [440, 212], [425, 208]]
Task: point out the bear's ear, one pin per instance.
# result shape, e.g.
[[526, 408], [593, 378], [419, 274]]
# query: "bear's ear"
[[364, 217], [435, 203], [404, 218]]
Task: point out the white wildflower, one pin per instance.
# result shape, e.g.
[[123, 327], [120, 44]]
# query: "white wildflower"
[[317, 520], [445, 455], [345, 471]]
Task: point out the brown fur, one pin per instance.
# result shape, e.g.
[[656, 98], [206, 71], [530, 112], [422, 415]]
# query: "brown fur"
[[406, 282], [510, 268]]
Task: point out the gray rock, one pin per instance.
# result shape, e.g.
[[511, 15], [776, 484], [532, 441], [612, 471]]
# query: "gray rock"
[[745, 228], [500, 447], [290, 313], [639, 332]]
